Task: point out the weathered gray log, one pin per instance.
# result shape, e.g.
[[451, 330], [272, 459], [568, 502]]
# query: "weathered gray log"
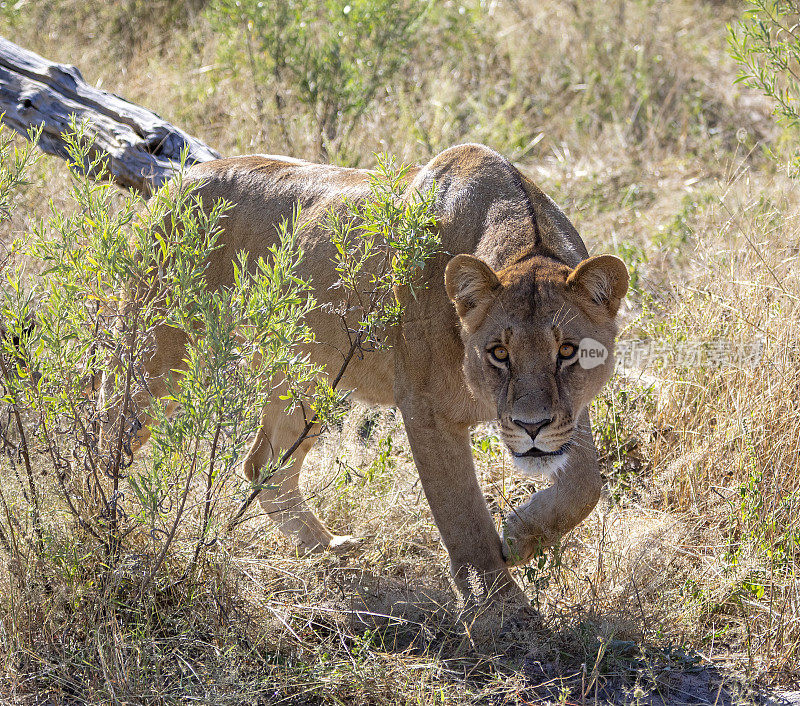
[[142, 149]]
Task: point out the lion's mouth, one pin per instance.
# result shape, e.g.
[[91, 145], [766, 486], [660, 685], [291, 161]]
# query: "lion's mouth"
[[538, 453]]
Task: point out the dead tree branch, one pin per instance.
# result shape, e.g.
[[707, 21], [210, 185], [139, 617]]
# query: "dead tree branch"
[[142, 149]]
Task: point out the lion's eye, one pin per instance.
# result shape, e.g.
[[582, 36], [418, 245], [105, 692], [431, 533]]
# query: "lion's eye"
[[567, 350], [499, 353]]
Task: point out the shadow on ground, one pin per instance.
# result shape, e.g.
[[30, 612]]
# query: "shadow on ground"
[[510, 657]]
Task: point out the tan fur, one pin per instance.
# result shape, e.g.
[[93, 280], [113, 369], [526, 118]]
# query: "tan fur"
[[513, 281]]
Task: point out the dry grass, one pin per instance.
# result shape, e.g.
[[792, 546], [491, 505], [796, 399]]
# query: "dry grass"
[[681, 586]]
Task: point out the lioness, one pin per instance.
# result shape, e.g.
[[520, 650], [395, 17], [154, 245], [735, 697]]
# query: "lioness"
[[494, 335]]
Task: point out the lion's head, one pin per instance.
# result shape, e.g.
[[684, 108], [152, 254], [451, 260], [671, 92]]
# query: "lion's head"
[[538, 345]]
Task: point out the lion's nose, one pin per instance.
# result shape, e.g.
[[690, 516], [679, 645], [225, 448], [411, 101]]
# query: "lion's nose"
[[532, 428]]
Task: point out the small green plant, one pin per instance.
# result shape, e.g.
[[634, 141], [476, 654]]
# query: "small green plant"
[[487, 446], [384, 462], [541, 570]]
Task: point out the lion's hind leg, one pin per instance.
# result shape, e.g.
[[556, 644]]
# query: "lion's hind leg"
[[281, 498], [161, 369]]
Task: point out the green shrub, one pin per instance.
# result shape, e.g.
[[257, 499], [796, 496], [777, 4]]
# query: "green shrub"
[[115, 270], [766, 44], [331, 59]]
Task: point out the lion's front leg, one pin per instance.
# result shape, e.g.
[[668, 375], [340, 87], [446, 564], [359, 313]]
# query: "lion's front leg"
[[443, 457], [552, 512]]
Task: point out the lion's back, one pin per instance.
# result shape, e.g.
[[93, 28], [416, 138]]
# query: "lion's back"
[[264, 191]]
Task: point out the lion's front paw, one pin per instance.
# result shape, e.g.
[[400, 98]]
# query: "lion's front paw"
[[338, 544], [345, 544], [519, 544]]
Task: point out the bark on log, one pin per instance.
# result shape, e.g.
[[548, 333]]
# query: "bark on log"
[[142, 149]]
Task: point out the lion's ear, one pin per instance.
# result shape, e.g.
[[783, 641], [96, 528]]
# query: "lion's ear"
[[604, 278], [471, 285]]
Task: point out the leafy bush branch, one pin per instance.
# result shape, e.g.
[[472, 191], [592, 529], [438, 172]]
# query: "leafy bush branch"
[[766, 44]]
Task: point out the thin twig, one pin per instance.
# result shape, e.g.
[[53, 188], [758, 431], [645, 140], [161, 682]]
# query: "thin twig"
[[178, 515], [23, 439], [208, 496], [116, 459]]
